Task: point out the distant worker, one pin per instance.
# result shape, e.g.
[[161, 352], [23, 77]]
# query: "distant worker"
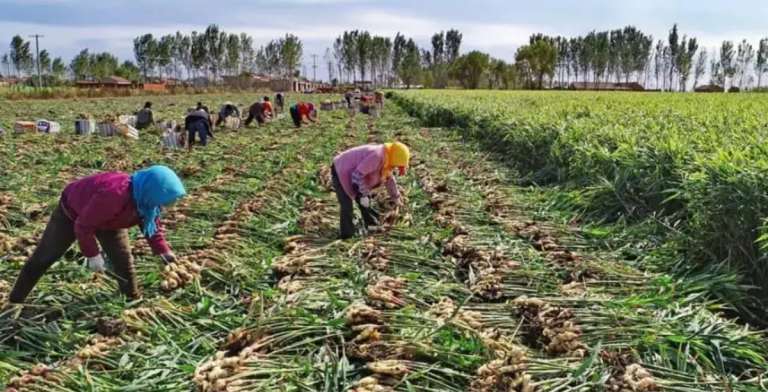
[[197, 122], [357, 171], [302, 113], [280, 102], [202, 107], [145, 118], [101, 207], [379, 99], [227, 109], [260, 111], [348, 97]]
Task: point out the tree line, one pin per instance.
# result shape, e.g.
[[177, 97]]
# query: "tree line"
[[618, 56]]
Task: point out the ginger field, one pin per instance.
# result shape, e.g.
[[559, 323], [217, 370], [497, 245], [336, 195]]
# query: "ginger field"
[[475, 284]]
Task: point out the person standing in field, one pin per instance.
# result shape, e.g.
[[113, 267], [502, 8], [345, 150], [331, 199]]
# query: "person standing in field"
[[198, 122], [357, 171], [259, 111], [227, 109], [99, 209], [280, 102], [145, 117], [348, 97]]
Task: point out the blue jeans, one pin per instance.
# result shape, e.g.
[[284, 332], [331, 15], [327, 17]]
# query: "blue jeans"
[[201, 128]]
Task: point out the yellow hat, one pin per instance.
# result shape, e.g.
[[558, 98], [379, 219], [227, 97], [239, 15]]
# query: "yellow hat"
[[396, 155]]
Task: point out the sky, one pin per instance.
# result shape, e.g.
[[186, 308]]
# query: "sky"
[[494, 26]]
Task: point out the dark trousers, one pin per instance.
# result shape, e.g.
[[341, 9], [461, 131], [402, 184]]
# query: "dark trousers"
[[251, 117], [346, 213], [58, 236], [295, 116], [202, 129]]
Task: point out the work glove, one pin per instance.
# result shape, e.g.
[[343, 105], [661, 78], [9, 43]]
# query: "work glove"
[[168, 258], [96, 263], [365, 201]]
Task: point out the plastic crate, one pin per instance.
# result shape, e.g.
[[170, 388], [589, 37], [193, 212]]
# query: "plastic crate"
[[45, 126], [166, 125], [85, 126], [232, 122]]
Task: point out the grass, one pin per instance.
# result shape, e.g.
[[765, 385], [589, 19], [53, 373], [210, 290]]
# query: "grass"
[[471, 286]]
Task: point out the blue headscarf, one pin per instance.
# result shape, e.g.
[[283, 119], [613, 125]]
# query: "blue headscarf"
[[153, 188]]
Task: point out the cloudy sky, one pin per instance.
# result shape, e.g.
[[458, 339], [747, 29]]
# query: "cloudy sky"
[[494, 26]]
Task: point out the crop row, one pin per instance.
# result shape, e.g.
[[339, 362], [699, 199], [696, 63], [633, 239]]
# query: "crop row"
[[691, 165]]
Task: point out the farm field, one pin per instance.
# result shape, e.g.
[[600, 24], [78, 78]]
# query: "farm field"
[[467, 287], [690, 164]]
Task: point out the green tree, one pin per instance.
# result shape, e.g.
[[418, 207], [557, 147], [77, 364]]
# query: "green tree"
[[410, 68], [292, 52], [129, 71], [6, 62], [541, 59], [453, 39], [349, 40], [144, 51], [184, 53], [58, 69], [215, 48], [469, 69], [102, 65], [45, 62], [199, 53], [81, 65], [700, 68], [745, 55], [364, 47], [21, 56], [165, 47], [762, 60], [727, 63], [398, 53]]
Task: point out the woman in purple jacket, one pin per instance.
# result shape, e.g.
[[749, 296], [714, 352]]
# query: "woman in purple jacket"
[[101, 207], [357, 171]]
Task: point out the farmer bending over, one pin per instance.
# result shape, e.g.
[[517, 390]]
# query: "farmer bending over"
[[227, 109], [100, 208], [302, 113], [145, 118], [280, 102], [358, 170], [259, 111], [198, 122]]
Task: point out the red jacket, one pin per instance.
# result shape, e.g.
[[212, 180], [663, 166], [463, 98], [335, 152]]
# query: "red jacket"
[[103, 202]]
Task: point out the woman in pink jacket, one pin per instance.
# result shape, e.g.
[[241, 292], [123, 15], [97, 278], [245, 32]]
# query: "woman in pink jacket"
[[101, 207], [358, 170]]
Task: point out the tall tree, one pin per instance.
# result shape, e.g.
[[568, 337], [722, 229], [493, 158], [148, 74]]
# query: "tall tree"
[[350, 53], [6, 62], [717, 76], [364, 44], [338, 55], [232, 62], [674, 49], [762, 60], [684, 61], [727, 64], [102, 65], [398, 53], [658, 60], [701, 67], [453, 39], [745, 55], [439, 58], [540, 58], [129, 71], [292, 53], [58, 69], [144, 49], [216, 44], [164, 52], [410, 67], [80, 65], [574, 51], [184, 54], [45, 62], [247, 53], [21, 56]]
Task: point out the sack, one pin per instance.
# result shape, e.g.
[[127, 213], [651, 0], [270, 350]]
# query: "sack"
[[166, 126], [127, 131], [173, 140], [127, 120], [25, 126], [85, 126], [107, 128], [46, 126], [232, 122]]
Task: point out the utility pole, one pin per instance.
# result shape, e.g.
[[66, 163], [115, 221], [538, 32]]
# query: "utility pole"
[[314, 67], [37, 50]]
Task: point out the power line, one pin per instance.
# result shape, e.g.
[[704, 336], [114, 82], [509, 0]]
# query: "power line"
[[37, 50]]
